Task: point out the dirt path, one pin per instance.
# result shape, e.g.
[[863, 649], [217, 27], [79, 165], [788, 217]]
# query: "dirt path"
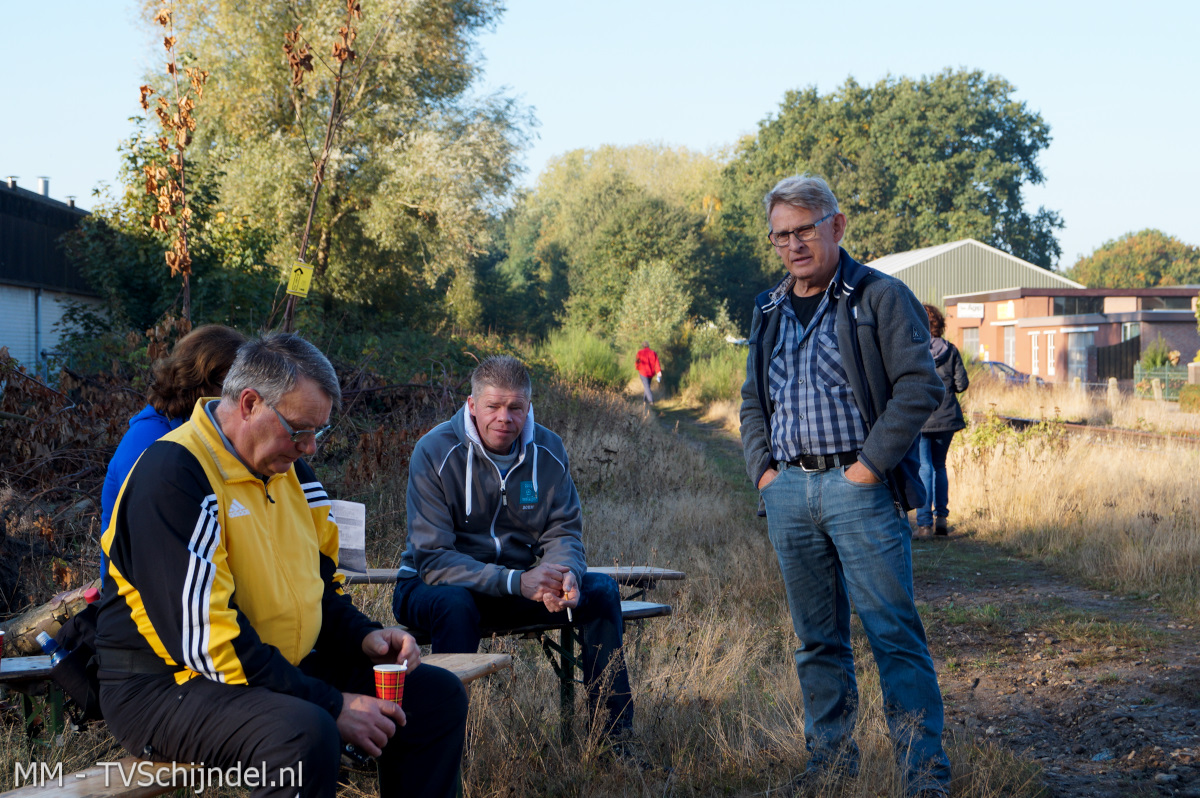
[[1102, 691]]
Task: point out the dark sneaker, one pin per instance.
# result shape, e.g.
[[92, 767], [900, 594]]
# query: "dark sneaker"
[[941, 528], [924, 532]]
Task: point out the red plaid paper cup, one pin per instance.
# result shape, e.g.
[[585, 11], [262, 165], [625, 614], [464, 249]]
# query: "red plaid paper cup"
[[389, 682]]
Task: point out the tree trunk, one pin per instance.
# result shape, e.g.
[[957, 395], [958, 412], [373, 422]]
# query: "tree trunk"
[[20, 634], [321, 262]]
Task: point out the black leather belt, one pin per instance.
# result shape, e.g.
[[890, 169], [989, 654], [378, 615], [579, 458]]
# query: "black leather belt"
[[823, 462], [126, 660]]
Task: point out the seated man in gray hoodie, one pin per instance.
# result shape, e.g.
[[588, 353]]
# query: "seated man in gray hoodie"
[[495, 539]]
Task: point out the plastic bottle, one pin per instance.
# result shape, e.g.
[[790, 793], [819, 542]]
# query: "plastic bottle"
[[50, 646]]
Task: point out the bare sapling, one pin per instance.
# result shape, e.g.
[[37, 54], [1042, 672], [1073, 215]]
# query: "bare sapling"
[[346, 97], [168, 183]]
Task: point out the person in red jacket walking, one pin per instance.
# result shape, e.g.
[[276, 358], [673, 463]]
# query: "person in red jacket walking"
[[648, 368]]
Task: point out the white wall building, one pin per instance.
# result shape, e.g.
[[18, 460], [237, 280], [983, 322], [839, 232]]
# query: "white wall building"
[[36, 280]]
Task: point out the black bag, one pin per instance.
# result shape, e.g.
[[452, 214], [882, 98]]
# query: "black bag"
[[76, 673]]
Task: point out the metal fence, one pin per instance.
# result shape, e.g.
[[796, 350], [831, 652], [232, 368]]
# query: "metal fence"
[[1172, 379]]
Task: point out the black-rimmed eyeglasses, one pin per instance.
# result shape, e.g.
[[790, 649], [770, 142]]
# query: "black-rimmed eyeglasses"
[[806, 233]]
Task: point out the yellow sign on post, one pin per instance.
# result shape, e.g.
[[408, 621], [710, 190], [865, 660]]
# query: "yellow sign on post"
[[300, 281]]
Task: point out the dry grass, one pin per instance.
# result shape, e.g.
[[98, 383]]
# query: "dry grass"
[[1121, 517], [724, 412], [718, 703], [1059, 402]]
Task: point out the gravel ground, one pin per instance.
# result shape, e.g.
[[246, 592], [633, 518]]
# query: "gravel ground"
[[1103, 691]]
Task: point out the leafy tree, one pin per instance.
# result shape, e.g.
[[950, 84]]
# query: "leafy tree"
[[913, 163], [418, 167], [595, 216], [1144, 259], [121, 255], [653, 309]]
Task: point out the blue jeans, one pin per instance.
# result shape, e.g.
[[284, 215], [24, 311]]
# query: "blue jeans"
[[647, 394], [838, 541], [456, 618], [934, 446]]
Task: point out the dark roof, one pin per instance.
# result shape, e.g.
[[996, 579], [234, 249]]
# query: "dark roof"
[[30, 228]]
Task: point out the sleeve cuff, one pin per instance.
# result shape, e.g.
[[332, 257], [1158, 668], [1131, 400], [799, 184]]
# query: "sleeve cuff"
[[871, 467], [513, 583]]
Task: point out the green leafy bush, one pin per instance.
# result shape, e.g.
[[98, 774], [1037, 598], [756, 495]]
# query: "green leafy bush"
[[717, 377], [582, 355], [1156, 355]]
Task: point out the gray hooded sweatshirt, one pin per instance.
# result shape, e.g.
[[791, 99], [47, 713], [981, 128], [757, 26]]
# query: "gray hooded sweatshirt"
[[470, 527]]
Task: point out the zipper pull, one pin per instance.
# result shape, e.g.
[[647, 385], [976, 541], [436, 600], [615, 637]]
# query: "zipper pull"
[[503, 495]]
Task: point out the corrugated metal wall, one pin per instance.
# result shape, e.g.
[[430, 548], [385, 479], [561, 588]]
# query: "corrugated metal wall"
[[967, 270], [30, 253], [17, 314]]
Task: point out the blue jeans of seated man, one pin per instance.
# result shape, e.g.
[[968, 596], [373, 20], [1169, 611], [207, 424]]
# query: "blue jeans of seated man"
[[934, 446], [839, 541], [456, 618]]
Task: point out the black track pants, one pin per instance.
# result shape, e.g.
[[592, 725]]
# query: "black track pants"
[[292, 744]]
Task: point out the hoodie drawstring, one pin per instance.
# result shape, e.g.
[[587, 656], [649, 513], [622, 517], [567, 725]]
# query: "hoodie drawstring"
[[470, 476]]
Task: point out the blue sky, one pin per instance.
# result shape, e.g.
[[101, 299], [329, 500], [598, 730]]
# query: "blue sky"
[[1117, 82]]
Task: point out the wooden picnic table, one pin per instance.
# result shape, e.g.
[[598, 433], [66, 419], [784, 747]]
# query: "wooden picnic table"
[[563, 653]]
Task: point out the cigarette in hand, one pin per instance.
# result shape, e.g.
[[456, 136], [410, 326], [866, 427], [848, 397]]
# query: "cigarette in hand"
[[569, 618]]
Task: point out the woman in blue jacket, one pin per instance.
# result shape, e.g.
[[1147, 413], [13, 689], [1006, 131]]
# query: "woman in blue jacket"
[[196, 367], [940, 428]]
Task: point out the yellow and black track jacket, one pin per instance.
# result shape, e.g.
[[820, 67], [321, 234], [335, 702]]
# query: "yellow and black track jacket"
[[222, 575]]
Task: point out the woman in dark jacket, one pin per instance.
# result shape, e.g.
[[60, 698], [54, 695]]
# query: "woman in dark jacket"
[[940, 428]]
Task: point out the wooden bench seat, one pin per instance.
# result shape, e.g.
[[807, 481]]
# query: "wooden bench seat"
[[641, 576], [23, 669], [108, 780]]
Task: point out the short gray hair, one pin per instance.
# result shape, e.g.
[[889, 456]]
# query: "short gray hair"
[[501, 371], [271, 365], [802, 191]]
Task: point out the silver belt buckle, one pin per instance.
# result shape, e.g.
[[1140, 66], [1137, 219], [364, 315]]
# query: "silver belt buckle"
[[812, 470]]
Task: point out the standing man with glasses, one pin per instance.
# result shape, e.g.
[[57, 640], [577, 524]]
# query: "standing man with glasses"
[[839, 381], [224, 636]]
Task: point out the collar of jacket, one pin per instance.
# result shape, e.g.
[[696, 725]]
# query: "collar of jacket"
[[846, 280], [230, 467], [464, 427]]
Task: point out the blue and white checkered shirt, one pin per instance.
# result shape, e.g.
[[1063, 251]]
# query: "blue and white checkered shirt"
[[815, 412]]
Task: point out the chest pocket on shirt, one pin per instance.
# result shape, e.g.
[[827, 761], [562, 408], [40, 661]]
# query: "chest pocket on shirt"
[[828, 363]]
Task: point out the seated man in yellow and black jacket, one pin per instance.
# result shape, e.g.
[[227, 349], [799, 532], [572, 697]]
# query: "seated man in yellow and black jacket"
[[224, 636]]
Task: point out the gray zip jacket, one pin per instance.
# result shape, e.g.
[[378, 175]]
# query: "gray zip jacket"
[[883, 338], [469, 527]]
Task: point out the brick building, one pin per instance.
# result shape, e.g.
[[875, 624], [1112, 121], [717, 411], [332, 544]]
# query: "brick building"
[[1061, 333]]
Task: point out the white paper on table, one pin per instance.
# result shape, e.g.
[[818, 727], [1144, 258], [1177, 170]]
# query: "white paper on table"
[[351, 518]]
